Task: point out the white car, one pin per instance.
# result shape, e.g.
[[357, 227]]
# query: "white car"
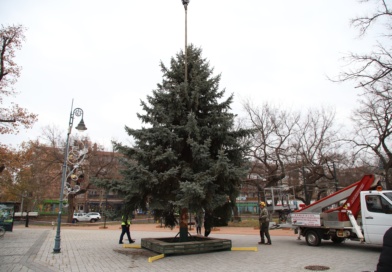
[[83, 217], [95, 215]]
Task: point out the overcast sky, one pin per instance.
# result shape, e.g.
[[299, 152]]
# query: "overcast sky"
[[105, 55]]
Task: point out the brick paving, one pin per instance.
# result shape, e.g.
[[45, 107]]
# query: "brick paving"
[[85, 249]]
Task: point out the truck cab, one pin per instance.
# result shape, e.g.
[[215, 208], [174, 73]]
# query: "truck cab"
[[376, 215]]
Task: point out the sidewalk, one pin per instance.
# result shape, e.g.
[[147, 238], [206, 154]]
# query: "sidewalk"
[[158, 228], [85, 249]]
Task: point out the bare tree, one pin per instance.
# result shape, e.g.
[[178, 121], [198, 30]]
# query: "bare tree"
[[375, 67], [271, 142], [316, 148], [372, 71], [373, 129], [288, 145]]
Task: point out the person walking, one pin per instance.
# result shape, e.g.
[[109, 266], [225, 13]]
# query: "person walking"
[[264, 224], [385, 260], [125, 224]]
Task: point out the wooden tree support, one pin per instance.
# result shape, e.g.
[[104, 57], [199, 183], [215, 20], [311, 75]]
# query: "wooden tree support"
[[154, 258], [131, 246], [244, 248]]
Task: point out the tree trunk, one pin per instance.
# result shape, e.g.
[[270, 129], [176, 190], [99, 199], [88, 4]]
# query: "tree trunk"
[[184, 225], [235, 212], [71, 207]]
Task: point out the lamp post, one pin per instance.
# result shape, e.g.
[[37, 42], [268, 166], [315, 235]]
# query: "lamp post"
[[185, 3], [76, 112], [184, 211]]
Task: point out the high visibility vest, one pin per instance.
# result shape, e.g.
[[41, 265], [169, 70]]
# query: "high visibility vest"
[[125, 223]]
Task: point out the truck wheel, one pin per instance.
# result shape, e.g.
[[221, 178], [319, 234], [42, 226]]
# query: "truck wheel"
[[93, 220], [313, 238], [337, 240], [74, 220]]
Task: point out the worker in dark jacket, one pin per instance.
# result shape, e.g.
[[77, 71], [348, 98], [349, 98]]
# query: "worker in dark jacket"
[[385, 261], [264, 224]]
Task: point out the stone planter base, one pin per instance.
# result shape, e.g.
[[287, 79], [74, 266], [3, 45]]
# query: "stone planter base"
[[196, 244]]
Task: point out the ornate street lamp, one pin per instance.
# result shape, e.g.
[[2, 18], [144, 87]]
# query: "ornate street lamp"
[[81, 126]]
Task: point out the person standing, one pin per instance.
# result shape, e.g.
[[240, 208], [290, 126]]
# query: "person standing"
[[199, 221], [125, 224], [264, 224], [385, 260]]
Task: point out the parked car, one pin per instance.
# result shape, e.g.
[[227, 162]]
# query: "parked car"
[[95, 215], [83, 217]]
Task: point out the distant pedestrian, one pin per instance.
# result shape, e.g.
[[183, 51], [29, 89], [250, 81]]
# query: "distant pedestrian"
[[199, 218], [208, 223], [264, 224], [27, 219], [385, 260], [125, 224]]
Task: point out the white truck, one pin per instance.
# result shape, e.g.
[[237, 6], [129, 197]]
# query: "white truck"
[[361, 212]]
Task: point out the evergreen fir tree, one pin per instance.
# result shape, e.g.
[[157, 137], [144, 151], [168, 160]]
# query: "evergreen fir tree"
[[188, 154]]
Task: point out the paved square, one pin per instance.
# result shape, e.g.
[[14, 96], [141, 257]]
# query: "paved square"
[[90, 249]]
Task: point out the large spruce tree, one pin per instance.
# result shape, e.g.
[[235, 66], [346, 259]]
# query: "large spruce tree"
[[188, 154]]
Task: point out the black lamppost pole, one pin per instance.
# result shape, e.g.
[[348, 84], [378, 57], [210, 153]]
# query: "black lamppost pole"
[[78, 112], [185, 3], [183, 223]]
